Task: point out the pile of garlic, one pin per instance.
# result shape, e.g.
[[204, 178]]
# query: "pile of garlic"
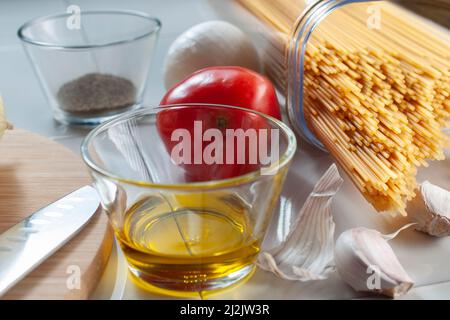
[[362, 257]]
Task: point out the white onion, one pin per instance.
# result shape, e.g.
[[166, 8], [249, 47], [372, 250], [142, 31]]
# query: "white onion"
[[212, 43]]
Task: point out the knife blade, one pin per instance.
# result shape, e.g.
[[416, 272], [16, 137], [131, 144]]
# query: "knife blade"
[[27, 244]]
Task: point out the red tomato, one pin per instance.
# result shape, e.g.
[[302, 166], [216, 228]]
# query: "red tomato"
[[234, 86], [216, 118]]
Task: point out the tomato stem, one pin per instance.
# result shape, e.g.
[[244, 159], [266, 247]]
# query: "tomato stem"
[[222, 122]]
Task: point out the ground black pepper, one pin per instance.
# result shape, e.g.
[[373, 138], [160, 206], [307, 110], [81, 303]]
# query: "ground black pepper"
[[96, 93]]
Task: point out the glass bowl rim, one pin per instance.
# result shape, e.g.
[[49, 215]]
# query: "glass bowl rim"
[[282, 161], [35, 21]]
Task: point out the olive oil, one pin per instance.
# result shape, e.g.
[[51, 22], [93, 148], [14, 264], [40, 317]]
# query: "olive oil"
[[189, 242]]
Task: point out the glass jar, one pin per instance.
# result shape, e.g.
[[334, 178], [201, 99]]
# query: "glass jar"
[[283, 31]]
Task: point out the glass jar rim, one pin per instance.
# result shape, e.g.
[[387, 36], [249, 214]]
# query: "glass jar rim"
[[281, 162], [139, 14]]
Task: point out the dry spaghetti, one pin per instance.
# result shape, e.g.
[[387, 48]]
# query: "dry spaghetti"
[[377, 99]]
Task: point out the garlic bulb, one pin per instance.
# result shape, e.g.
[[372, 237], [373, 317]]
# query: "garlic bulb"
[[307, 252], [366, 261], [212, 43], [431, 210]]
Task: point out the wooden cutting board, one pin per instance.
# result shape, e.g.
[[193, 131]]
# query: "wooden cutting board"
[[34, 172]]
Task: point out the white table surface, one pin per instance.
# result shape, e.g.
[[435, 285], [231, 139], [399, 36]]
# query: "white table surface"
[[426, 259]]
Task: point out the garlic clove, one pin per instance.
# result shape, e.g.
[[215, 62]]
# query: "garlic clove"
[[431, 210], [365, 260], [307, 252]]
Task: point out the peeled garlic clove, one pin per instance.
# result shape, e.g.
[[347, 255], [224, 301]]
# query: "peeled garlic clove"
[[307, 252], [431, 210], [366, 261]]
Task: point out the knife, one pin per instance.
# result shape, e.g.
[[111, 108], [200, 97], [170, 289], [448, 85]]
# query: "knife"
[[27, 244]]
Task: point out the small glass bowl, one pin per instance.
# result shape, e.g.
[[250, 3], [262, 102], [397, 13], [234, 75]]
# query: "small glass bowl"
[[183, 236], [93, 68]]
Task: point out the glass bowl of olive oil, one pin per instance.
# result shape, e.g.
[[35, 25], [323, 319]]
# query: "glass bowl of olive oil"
[[190, 190]]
